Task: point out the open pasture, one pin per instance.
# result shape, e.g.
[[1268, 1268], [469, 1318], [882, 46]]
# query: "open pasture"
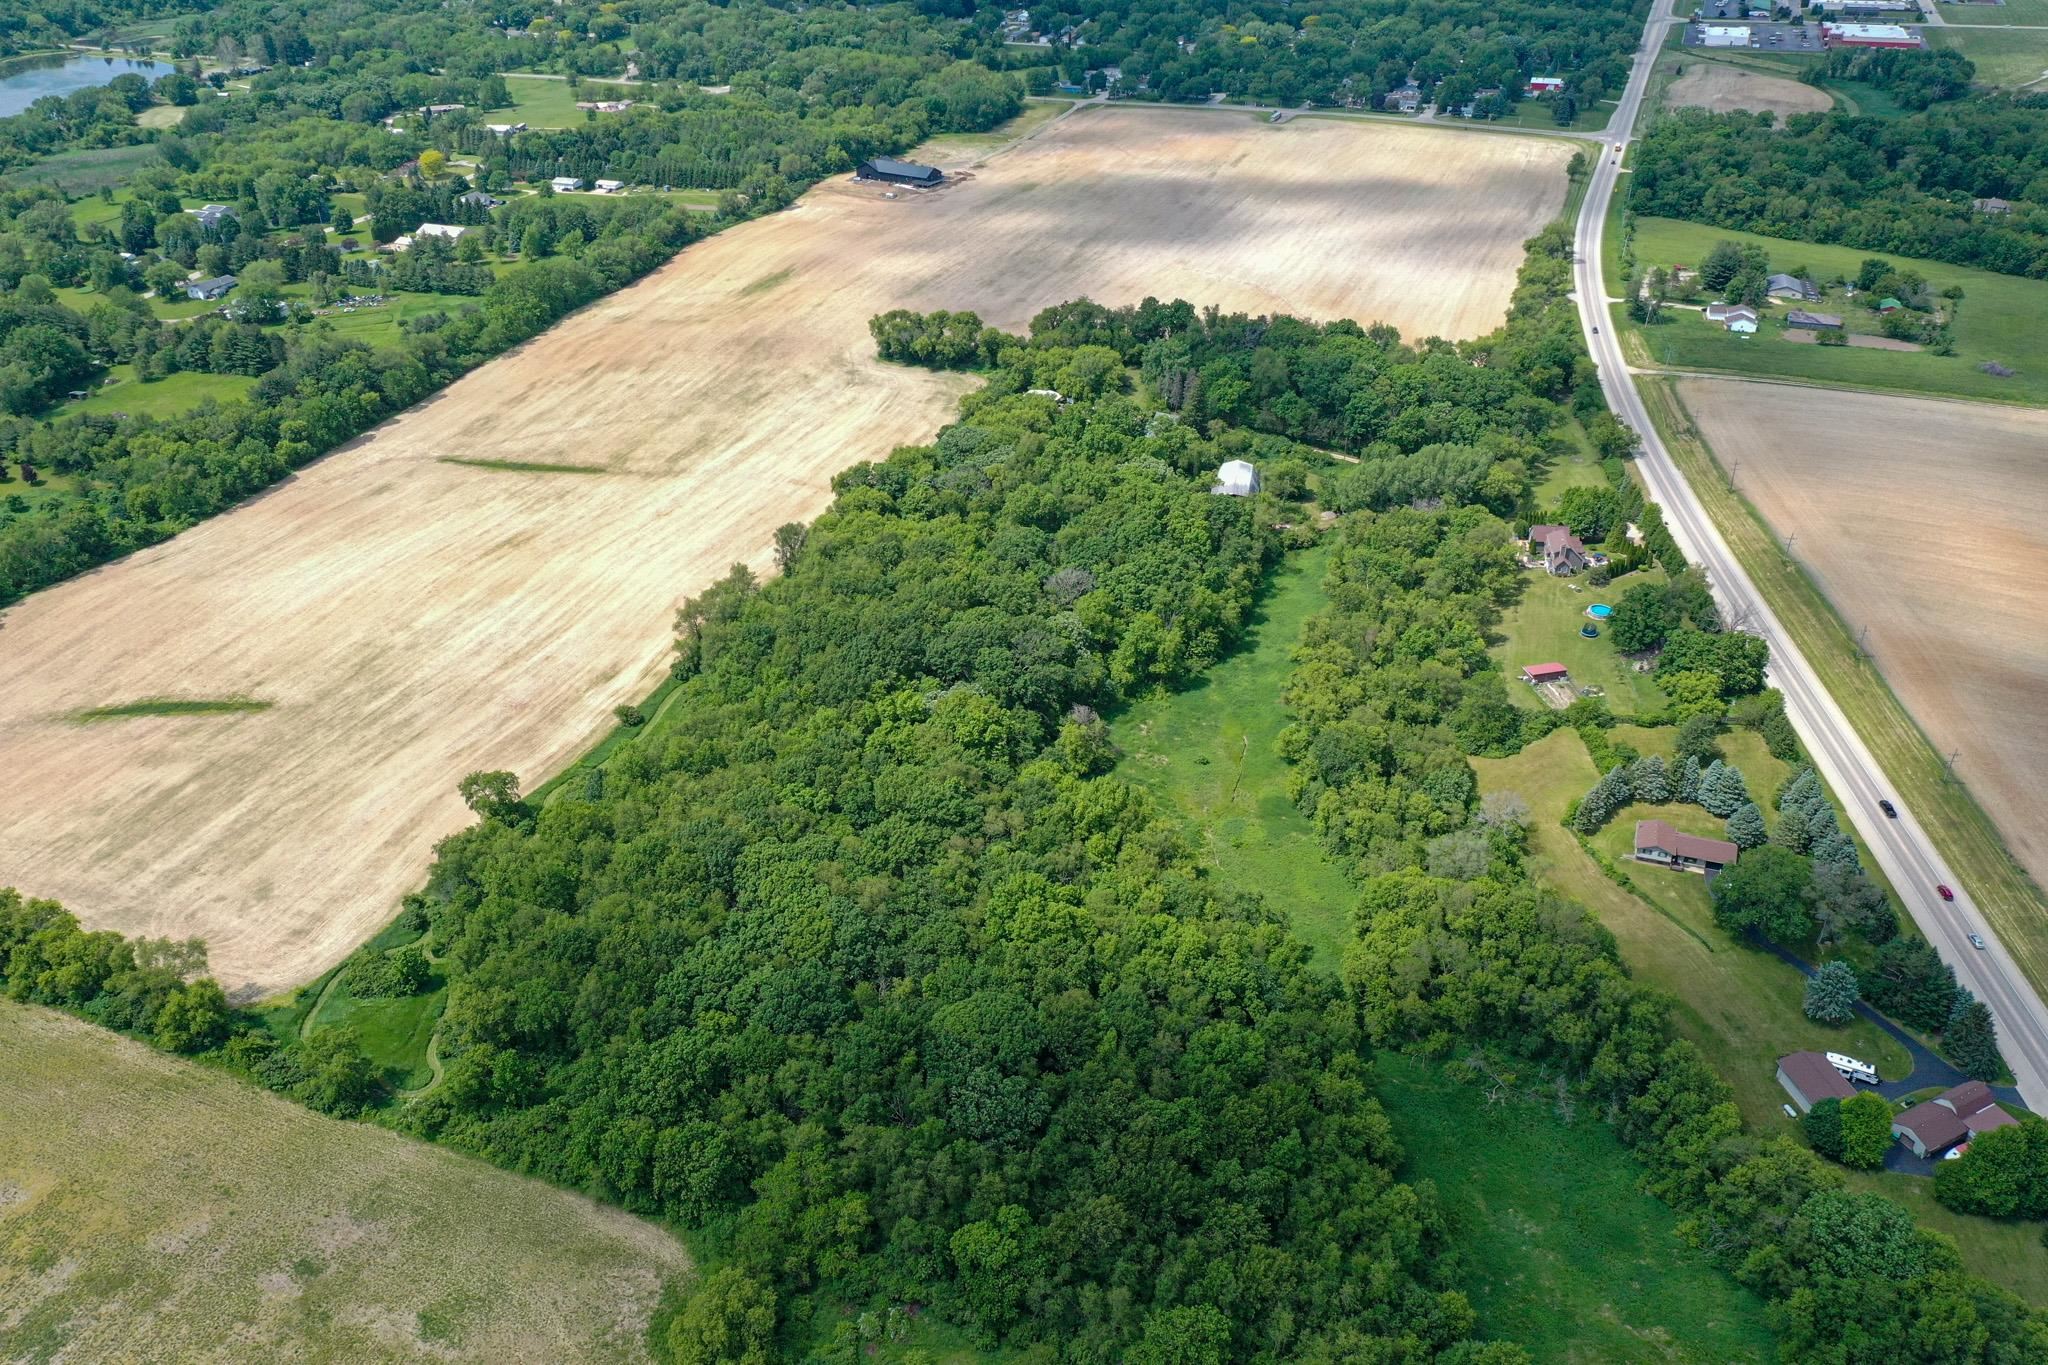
[[1927, 522], [152, 1209], [412, 619]]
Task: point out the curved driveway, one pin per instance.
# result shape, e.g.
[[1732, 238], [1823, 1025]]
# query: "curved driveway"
[[1900, 846]]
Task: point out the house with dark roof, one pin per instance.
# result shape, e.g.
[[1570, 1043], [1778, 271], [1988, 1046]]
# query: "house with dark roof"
[[1791, 287], [211, 216], [1809, 1078], [210, 289], [1657, 842], [1929, 1129], [479, 199], [1813, 322], [1972, 1103], [1992, 205], [899, 172], [1557, 549]]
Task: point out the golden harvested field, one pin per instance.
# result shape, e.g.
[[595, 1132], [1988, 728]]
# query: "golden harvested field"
[[410, 620], [151, 1209], [1926, 521], [1723, 89]]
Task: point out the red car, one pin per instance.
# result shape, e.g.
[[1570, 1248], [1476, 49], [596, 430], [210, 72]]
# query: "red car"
[[1946, 894]]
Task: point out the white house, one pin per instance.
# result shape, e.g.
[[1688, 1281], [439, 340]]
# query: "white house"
[[506, 129], [562, 184], [1742, 326], [1236, 479], [448, 230], [610, 186]]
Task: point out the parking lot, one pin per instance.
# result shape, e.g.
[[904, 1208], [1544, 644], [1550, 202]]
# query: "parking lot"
[[1766, 38]]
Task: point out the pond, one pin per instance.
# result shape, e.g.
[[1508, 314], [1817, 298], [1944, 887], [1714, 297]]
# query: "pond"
[[26, 82]]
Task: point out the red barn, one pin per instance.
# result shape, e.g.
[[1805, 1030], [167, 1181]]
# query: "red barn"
[[1545, 85]]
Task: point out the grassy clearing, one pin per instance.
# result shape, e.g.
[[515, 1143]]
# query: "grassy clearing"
[[166, 397], [542, 103], [174, 706], [525, 466], [1210, 753], [1740, 1007], [1965, 835], [145, 1199], [2003, 57], [2006, 1253], [394, 1031], [2011, 12], [957, 149], [1999, 320], [1543, 627], [83, 172], [1564, 1253]]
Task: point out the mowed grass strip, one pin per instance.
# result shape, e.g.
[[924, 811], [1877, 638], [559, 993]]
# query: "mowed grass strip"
[[1965, 835], [525, 466], [1999, 320], [1210, 753], [173, 706], [1564, 1253], [2012, 58], [153, 1208]]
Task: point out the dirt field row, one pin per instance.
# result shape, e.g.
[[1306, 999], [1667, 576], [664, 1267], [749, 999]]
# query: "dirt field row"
[[411, 620], [151, 1209], [1723, 89], [1926, 521]]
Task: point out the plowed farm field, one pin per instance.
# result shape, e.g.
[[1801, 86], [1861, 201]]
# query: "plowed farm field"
[[480, 581], [1927, 522]]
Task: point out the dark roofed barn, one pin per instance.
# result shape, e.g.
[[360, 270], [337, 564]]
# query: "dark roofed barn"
[[1809, 1078], [899, 172]]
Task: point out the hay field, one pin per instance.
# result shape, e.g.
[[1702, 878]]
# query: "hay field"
[[151, 1209], [1927, 521], [410, 620], [1723, 89]]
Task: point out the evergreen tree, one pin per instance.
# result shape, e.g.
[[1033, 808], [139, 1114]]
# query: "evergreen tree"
[[1839, 849], [1722, 790], [1831, 994], [1803, 787], [1746, 826], [1687, 787], [1971, 1039], [1609, 795], [1650, 779], [1794, 833]]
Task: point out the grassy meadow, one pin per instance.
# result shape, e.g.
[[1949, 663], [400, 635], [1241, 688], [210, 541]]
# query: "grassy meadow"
[[1563, 1253], [1999, 320], [2011, 57], [151, 1208], [2029, 12], [540, 102]]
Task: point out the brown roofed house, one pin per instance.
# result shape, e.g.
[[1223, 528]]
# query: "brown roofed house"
[[1560, 550], [1657, 842], [1972, 1103], [1929, 1129], [1809, 1078]]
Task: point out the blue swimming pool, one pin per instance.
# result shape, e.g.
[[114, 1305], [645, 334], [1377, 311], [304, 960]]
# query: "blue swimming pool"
[[1599, 611]]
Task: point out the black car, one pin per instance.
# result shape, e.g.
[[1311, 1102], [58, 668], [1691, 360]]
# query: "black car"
[[1889, 809]]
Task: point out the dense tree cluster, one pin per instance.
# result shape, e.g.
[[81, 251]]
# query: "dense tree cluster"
[[153, 987], [1902, 185]]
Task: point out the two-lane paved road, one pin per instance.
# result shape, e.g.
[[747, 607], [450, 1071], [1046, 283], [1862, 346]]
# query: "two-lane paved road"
[[1900, 846]]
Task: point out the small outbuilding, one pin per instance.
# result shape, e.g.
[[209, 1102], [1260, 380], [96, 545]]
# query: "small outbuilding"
[[1813, 322], [894, 172], [1546, 673], [1809, 1078], [563, 184], [1742, 326], [1791, 287], [1236, 479], [449, 230]]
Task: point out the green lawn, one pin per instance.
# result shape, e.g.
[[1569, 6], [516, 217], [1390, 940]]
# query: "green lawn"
[[1208, 752], [1537, 114], [394, 1031], [1999, 320], [2011, 12], [954, 149], [1562, 1251], [1740, 1007], [542, 103], [2005, 57], [1543, 627], [166, 397], [2004, 1252], [1578, 467]]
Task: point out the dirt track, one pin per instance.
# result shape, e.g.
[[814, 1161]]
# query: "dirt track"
[[1928, 522], [412, 620]]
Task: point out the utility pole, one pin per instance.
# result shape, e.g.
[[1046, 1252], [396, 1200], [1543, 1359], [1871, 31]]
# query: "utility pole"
[[1790, 541], [1733, 470], [1949, 768], [1862, 645]]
